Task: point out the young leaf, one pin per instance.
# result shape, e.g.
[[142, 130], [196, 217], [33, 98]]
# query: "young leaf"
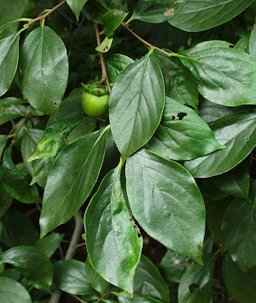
[[136, 104], [13, 292], [211, 13], [44, 68], [76, 6], [196, 284], [33, 264], [238, 133], [225, 75], [110, 234], [70, 276], [239, 283], [116, 64], [179, 129], [9, 50], [166, 202], [73, 175], [239, 220]]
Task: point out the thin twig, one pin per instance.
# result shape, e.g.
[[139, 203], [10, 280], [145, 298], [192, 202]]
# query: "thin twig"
[[45, 15], [55, 298], [127, 27], [104, 75]]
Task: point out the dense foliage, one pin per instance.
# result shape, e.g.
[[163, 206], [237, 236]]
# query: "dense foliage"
[[127, 127]]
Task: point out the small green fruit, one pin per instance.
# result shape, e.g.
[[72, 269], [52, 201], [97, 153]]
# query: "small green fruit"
[[94, 106]]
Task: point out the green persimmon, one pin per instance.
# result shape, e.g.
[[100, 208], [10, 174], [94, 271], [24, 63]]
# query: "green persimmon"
[[94, 106]]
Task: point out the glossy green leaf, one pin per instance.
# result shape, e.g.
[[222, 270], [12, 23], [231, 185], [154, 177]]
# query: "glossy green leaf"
[[50, 243], [73, 175], [94, 279], [12, 10], [3, 141], [181, 84], [166, 202], [235, 182], [196, 284], [149, 283], [34, 265], [125, 298], [17, 229], [85, 126], [112, 20], [152, 11], [108, 223], [252, 43], [239, 230], [197, 15], [173, 266], [9, 50], [76, 6], [53, 139], [44, 68], [38, 169], [136, 104], [238, 133], [239, 283], [15, 180], [225, 75], [13, 292], [179, 129], [10, 108], [70, 276], [116, 63]]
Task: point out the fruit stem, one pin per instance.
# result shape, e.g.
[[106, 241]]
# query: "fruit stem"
[[104, 75]]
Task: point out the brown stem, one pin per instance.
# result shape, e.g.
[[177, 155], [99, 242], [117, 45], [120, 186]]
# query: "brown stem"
[[127, 27], [45, 15], [104, 75]]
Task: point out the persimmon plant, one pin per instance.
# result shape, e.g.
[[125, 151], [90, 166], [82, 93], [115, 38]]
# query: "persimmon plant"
[[128, 131]]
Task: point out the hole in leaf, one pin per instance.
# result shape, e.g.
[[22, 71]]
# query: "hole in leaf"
[[181, 115], [193, 287], [231, 46]]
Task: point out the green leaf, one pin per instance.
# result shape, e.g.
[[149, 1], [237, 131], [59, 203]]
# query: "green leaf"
[[239, 230], [125, 298], [13, 292], [50, 243], [238, 133], [252, 43], [181, 84], [196, 284], [149, 283], [12, 10], [76, 6], [105, 45], [3, 141], [5, 202], [235, 182], [116, 63], [15, 180], [152, 11], [73, 175], [173, 266], [33, 264], [10, 109], [16, 229], [94, 279], [225, 75], [52, 139], [44, 69], [136, 104], [110, 234], [9, 50], [210, 14], [179, 129], [85, 126], [166, 202], [111, 20], [70, 276], [240, 284]]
